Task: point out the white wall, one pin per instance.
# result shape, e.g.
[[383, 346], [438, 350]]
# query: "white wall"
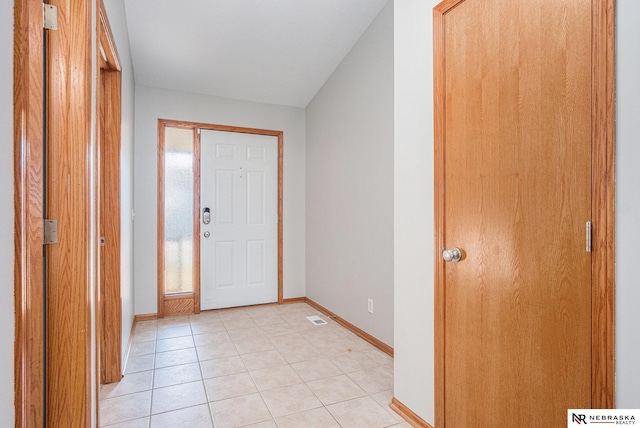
[[413, 215], [152, 104], [117, 20], [349, 230], [628, 206], [6, 214]]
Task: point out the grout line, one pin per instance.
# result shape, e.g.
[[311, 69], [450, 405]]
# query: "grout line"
[[304, 334]]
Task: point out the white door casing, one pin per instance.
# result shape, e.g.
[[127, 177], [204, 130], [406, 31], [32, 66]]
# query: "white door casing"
[[239, 185]]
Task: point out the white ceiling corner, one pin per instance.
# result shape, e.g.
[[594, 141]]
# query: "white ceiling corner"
[[269, 51]]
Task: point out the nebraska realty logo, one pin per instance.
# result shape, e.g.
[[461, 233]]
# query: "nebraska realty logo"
[[602, 417]]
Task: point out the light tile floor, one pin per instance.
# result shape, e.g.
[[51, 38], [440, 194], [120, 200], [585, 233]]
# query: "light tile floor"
[[260, 367]]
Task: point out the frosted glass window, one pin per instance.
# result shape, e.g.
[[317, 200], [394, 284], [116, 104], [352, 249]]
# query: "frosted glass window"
[[178, 210]]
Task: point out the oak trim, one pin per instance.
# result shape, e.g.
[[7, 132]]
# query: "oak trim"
[[280, 215], [160, 222], [439, 219], [603, 200], [408, 415], [144, 317], [28, 118], [107, 49], [603, 208], [195, 295], [108, 222], [162, 123], [293, 300], [179, 304], [352, 328]]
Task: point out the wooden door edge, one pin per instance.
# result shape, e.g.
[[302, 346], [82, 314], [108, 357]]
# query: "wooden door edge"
[[603, 173], [280, 215], [439, 218], [70, 141], [28, 190], [160, 221], [603, 209]]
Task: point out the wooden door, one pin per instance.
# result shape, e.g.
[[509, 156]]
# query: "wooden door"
[[239, 219], [514, 143], [53, 94], [68, 172], [109, 123]]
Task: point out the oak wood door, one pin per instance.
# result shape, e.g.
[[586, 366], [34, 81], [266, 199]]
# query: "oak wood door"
[[68, 174], [516, 196]]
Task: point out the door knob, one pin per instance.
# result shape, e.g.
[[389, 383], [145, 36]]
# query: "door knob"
[[452, 254]]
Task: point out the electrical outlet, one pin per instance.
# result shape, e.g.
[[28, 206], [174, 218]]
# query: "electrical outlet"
[[370, 306]]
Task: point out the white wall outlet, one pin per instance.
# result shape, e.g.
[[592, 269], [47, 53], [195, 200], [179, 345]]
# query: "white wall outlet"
[[370, 306]]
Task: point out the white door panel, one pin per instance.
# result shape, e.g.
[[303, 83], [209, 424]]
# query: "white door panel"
[[238, 183]]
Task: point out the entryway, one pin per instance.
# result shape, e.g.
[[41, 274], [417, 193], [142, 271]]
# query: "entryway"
[[219, 217]]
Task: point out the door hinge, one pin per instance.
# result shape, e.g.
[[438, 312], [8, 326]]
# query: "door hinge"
[[588, 236], [50, 232], [199, 131], [50, 16]]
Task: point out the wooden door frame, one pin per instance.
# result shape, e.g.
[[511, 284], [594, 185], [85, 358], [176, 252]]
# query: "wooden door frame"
[[108, 143], [603, 203], [28, 206], [69, 200], [162, 123]]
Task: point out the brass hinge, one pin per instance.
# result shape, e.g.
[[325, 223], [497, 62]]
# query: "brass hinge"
[[50, 232], [50, 16]]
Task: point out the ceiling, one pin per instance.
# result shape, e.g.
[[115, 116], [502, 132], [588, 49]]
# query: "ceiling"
[[269, 51]]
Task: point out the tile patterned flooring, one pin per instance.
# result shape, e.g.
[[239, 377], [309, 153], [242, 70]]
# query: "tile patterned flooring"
[[260, 367]]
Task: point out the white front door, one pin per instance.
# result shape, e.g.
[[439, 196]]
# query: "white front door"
[[238, 215]]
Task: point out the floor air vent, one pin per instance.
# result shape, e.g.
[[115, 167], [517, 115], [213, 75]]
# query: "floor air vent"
[[316, 320]]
